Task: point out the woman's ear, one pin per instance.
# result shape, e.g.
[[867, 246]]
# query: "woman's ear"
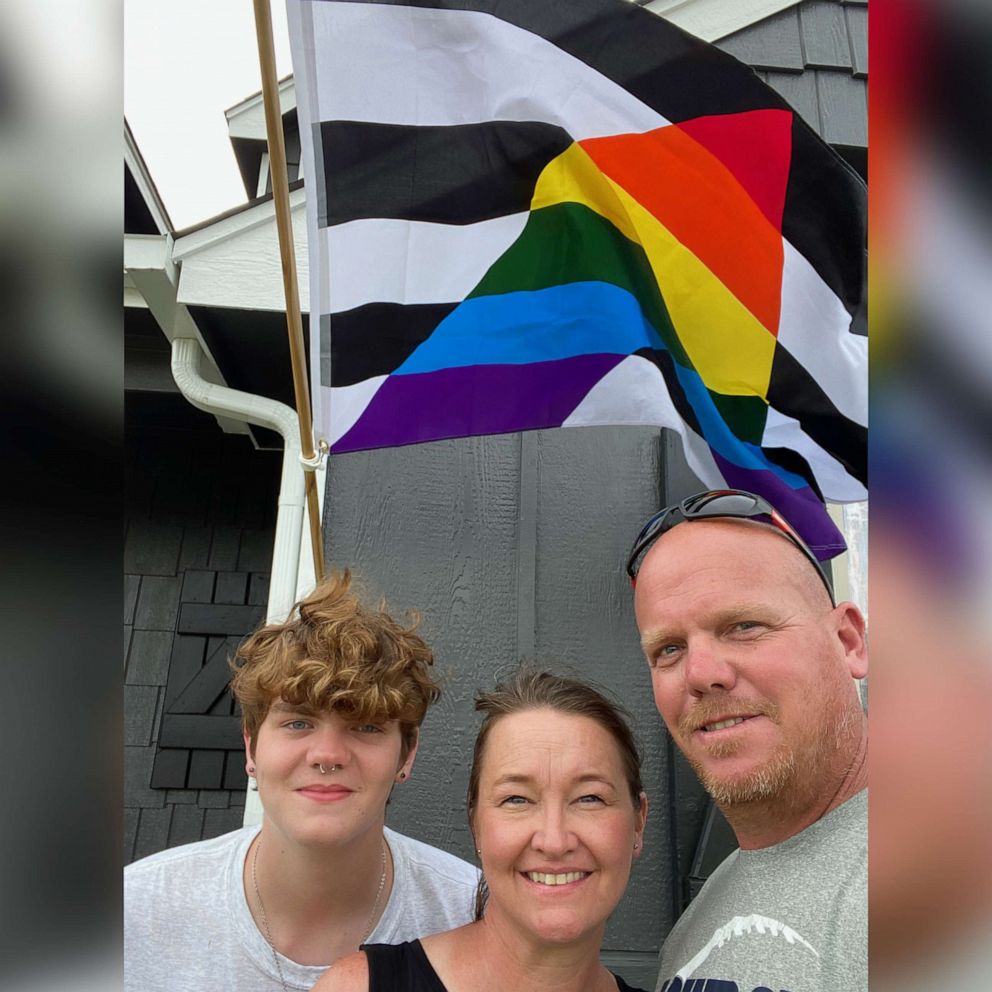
[[642, 819]]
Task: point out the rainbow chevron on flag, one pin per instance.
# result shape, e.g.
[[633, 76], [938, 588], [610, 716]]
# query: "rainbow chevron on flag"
[[526, 218]]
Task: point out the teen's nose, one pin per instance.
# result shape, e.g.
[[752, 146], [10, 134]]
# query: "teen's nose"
[[329, 750]]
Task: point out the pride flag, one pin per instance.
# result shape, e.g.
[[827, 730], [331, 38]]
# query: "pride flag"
[[527, 215]]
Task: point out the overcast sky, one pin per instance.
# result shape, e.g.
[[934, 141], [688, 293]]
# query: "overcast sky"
[[185, 63]]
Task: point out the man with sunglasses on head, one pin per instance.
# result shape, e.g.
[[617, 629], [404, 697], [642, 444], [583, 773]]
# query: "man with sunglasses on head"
[[753, 668]]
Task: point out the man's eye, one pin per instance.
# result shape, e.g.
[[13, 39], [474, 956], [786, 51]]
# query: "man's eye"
[[747, 626], [665, 655]]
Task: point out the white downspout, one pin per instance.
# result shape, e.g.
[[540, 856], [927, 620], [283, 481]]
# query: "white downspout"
[[277, 416], [210, 397]]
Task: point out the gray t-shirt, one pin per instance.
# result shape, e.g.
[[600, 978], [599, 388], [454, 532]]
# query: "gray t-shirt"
[[792, 917], [187, 926]]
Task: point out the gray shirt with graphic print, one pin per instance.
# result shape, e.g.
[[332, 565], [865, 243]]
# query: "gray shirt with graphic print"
[[789, 918]]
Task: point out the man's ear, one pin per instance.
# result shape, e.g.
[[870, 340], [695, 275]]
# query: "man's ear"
[[851, 633]]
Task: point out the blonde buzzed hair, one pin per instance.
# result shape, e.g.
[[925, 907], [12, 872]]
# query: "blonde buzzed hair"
[[334, 652]]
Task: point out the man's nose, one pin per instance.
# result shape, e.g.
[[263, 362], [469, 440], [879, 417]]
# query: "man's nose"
[[708, 667]]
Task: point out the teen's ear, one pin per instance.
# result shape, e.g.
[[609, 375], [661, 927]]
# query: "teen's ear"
[[403, 772], [249, 757]]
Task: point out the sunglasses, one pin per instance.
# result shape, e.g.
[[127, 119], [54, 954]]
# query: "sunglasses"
[[734, 503]]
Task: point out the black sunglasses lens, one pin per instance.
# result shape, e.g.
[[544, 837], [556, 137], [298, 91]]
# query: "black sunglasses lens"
[[723, 504], [652, 523]]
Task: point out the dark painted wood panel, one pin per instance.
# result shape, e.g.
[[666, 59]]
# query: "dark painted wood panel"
[[184, 666], [206, 770], [202, 691], [171, 766], [212, 732], [231, 588], [202, 618], [198, 586], [235, 776]]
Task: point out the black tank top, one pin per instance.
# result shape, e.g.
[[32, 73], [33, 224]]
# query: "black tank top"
[[405, 968]]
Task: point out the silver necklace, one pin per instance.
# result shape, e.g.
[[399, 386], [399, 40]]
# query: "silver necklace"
[[265, 919]]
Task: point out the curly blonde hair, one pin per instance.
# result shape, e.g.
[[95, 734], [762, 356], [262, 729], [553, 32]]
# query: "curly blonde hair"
[[336, 653]]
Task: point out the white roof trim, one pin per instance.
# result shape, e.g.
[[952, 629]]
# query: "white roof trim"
[[235, 225], [235, 262], [712, 20], [247, 119], [139, 171]]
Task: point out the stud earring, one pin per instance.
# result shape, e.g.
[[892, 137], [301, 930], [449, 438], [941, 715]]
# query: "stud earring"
[[402, 776]]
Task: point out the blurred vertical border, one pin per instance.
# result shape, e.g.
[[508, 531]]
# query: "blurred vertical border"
[[930, 591], [61, 208]]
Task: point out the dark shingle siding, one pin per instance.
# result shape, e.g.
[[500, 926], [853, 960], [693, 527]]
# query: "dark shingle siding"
[[857, 32], [816, 56], [199, 503], [824, 35], [775, 43]]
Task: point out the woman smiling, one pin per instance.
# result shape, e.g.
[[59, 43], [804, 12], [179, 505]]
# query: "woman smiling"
[[557, 812]]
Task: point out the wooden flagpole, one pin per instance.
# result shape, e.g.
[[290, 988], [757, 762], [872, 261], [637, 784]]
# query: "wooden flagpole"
[[284, 225]]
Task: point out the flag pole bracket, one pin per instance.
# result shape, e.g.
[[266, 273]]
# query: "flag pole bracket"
[[316, 463]]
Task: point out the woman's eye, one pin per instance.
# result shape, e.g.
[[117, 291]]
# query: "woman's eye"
[[591, 799], [513, 801]]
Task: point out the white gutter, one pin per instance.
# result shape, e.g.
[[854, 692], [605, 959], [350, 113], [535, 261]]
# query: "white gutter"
[[221, 400]]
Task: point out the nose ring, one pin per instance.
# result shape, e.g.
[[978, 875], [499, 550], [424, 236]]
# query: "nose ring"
[[333, 768]]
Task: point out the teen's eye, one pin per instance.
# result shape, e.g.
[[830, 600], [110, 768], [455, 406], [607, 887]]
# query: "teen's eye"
[[369, 728], [297, 724]]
